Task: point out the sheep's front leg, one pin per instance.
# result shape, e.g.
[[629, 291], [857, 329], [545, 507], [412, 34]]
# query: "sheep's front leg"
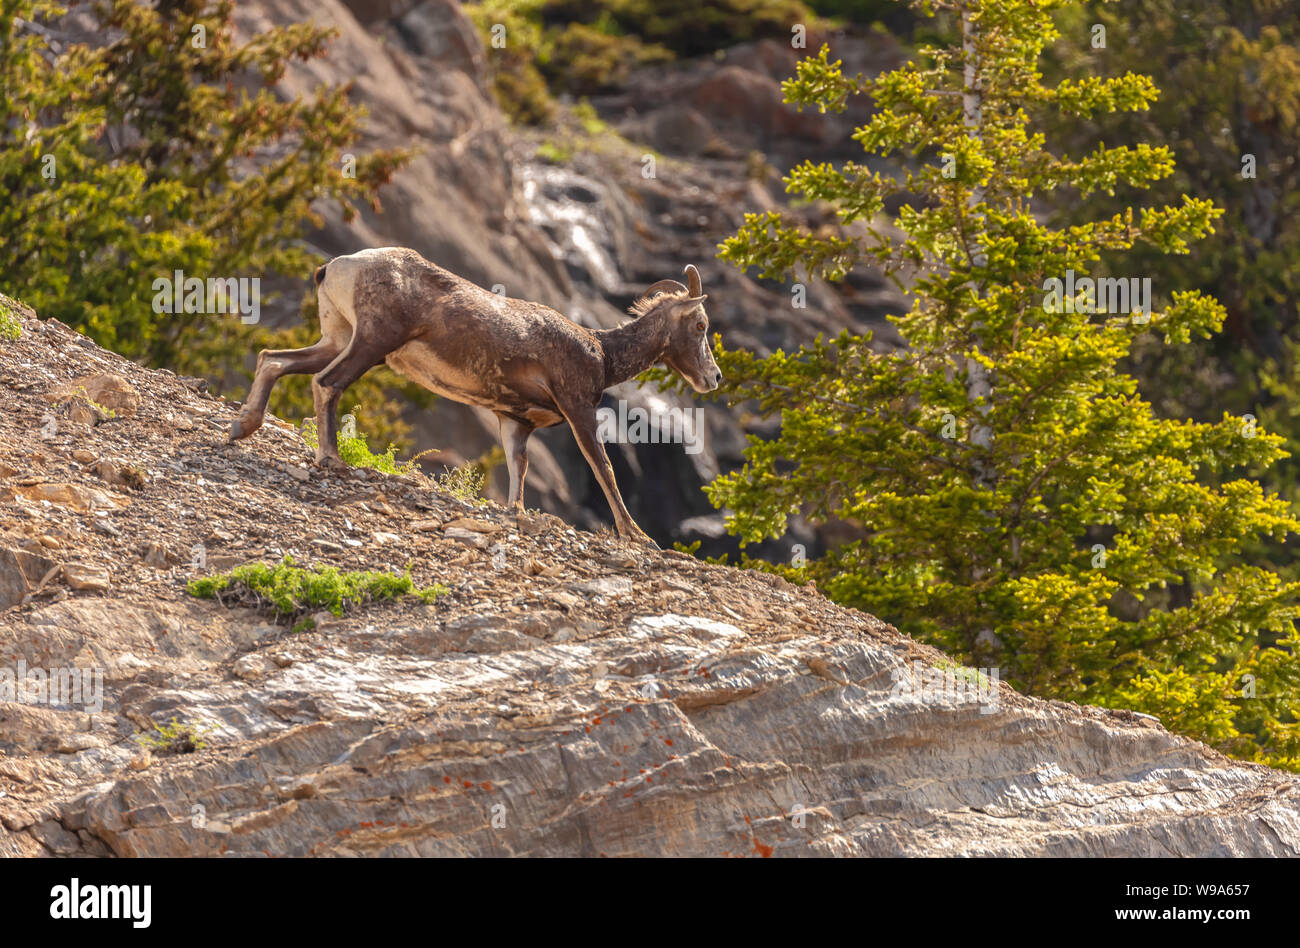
[[514, 442], [583, 424]]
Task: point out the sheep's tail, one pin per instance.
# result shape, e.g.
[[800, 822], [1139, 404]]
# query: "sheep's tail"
[[320, 273]]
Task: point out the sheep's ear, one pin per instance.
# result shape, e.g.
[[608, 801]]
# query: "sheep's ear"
[[688, 305]]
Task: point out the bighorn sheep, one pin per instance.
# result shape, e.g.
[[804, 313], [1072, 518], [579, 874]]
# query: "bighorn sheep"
[[531, 366]]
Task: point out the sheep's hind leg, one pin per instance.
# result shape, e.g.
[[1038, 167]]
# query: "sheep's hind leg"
[[272, 364], [327, 387]]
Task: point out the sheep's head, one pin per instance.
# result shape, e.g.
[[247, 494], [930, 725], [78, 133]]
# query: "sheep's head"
[[687, 352]]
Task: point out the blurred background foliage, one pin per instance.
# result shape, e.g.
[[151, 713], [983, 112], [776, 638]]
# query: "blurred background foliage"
[[154, 153], [581, 47]]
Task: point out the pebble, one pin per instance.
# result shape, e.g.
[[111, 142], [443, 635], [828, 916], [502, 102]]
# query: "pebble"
[[85, 577], [476, 540]]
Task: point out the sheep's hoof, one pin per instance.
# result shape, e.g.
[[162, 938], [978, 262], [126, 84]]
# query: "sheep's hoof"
[[641, 538], [243, 426]]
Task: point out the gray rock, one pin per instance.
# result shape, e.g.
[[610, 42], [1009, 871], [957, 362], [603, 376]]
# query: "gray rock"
[[605, 587], [468, 537]]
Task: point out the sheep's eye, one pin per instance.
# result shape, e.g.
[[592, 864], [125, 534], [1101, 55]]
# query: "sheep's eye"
[[699, 327]]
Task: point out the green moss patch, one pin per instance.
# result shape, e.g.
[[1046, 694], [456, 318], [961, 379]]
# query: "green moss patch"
[[289, 592]]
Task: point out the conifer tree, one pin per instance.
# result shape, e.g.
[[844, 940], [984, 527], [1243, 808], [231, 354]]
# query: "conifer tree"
[[1023, 505]]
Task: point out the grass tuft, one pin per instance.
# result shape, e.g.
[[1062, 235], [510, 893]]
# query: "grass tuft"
[[289, 592], [354, 450]]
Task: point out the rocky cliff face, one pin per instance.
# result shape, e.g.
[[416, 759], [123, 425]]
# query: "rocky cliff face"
[[570, 695], [586, 236]]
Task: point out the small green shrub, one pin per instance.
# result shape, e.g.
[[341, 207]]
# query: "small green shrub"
[[354, 450], [965, 673], [174, 738], [289, 592], [465, 482]]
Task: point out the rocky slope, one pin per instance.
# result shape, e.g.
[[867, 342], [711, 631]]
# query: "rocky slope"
[[570, 695]]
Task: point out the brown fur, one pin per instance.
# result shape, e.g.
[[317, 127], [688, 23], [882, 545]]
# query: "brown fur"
[[647, 303], [524, 361]]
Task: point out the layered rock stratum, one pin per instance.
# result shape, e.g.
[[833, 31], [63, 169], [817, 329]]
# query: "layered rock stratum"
[[571, 695]]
